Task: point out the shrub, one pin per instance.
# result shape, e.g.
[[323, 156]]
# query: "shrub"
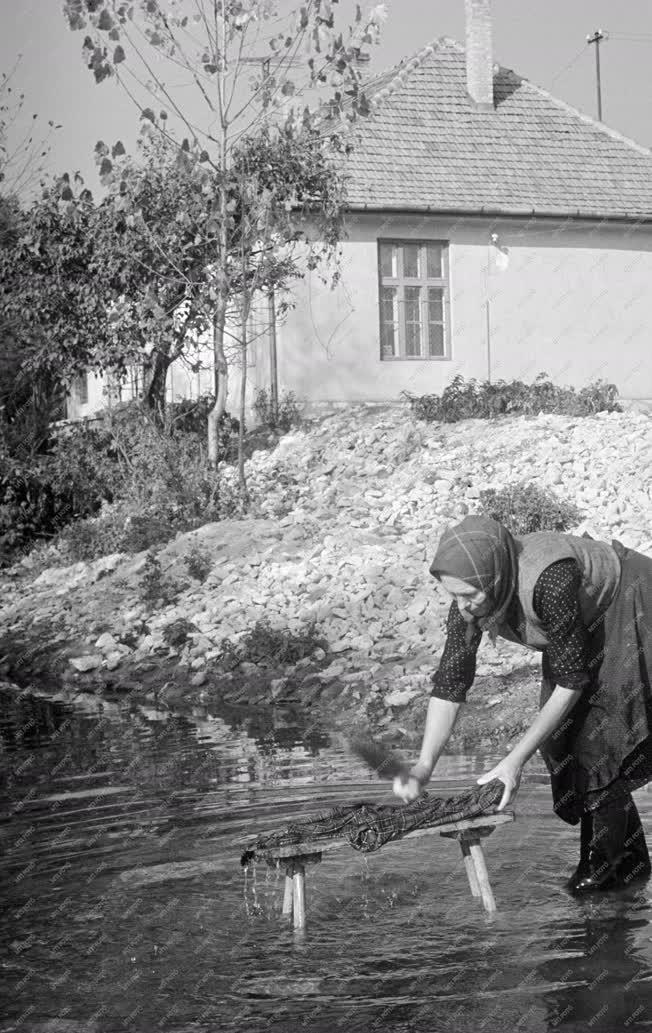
[[42, 494], [198, 564], [524, 508], [189, 416], [87, 540], [273, 646], [287, 416], [154, 586], [463, 400], [178, 632]]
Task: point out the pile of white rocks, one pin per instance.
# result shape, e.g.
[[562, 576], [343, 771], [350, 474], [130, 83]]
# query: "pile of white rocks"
[[347, 516]]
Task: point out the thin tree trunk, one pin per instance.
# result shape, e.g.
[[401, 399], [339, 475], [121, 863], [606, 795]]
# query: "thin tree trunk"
[[220, 369], [242, 480], [154, 393], [220, 372], [158, 366]]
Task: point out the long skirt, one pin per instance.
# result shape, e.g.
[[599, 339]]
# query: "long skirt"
[[603, 748]]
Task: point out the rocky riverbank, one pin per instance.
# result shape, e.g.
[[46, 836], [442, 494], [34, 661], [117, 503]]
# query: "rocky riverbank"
[[346, 515]]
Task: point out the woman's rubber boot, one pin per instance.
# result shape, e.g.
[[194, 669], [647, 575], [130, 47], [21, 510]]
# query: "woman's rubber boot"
[[636, 863], [607, 850], [586, 831]]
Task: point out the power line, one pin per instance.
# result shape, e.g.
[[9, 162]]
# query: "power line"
[[623, 37], [573, 60]]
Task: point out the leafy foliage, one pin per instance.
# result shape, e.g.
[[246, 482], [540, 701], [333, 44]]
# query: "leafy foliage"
[[187, 33], [178, 632], [39, 495], [154, 587], [270, 646], [282, 417], [198, 564], [50, 303], [463, 400], [523, 508], [188, 416]]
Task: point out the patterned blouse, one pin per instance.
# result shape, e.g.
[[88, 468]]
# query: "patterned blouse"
[[566, 657]]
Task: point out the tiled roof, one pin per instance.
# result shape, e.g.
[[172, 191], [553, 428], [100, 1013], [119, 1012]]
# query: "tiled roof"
[[427, 147]]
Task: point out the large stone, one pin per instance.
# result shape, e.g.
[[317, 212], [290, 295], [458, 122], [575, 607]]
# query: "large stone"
[[113, 660], [340, 646], [91, 662], [106, 643], [400, 697]]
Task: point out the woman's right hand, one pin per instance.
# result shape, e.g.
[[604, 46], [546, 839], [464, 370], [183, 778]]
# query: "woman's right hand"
[[409, 784]]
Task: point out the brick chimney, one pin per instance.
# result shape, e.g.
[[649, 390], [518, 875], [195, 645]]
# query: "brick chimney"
[[479, 53]]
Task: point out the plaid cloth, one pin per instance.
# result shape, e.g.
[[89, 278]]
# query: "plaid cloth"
[[369, 826]]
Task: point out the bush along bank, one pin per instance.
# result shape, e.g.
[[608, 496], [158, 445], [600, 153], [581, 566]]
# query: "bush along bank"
[[334, 554]]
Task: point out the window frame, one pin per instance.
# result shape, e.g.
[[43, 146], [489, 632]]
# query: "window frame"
[[400, 282]]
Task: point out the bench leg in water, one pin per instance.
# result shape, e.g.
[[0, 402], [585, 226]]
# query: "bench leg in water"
[[469, 864], [476, 869], [299, 897], [482, 875], [287, 895], [294, 894]]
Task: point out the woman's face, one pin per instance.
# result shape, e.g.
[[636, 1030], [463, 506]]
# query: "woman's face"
[[471, 602]]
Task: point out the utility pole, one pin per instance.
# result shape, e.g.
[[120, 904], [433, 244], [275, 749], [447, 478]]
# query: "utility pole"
[[597, 38]]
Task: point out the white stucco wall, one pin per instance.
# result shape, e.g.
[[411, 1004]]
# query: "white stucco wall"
[[574, 302], [185, 382]]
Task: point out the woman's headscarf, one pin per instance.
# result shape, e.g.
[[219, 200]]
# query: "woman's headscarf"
[[483, 553]]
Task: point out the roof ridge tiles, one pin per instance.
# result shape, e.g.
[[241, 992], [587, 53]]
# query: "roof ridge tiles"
[[600, 126], [403, 69]]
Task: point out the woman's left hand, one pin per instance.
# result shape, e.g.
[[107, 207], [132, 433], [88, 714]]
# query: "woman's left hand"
[[509, 772]]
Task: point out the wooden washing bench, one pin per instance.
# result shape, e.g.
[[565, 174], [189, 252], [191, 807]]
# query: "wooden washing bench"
[[295, 858]]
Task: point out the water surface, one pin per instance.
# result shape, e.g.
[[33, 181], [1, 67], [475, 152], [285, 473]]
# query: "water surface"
[[125, 907]]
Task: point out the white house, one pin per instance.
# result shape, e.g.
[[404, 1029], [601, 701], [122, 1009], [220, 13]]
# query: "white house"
[[493, 232]]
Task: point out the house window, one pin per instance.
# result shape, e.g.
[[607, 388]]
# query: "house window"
[[414, 299], [80, 388]]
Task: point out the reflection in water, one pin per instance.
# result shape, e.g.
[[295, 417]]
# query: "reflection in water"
[[126, 908]]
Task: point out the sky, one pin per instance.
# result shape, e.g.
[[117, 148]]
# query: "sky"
[[542, 40]]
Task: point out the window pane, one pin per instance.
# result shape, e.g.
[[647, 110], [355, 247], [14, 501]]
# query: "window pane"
[[434, 261], [388, 265], [435, 321], [411, 260], [435, 304], [413, 321], [436, 339], [388, 322]]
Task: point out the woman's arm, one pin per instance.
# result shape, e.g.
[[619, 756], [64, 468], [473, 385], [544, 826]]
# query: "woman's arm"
[[440, 721], [451, 682], [550, 717]]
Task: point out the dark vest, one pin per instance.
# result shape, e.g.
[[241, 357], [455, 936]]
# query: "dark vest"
[[600, 568]]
